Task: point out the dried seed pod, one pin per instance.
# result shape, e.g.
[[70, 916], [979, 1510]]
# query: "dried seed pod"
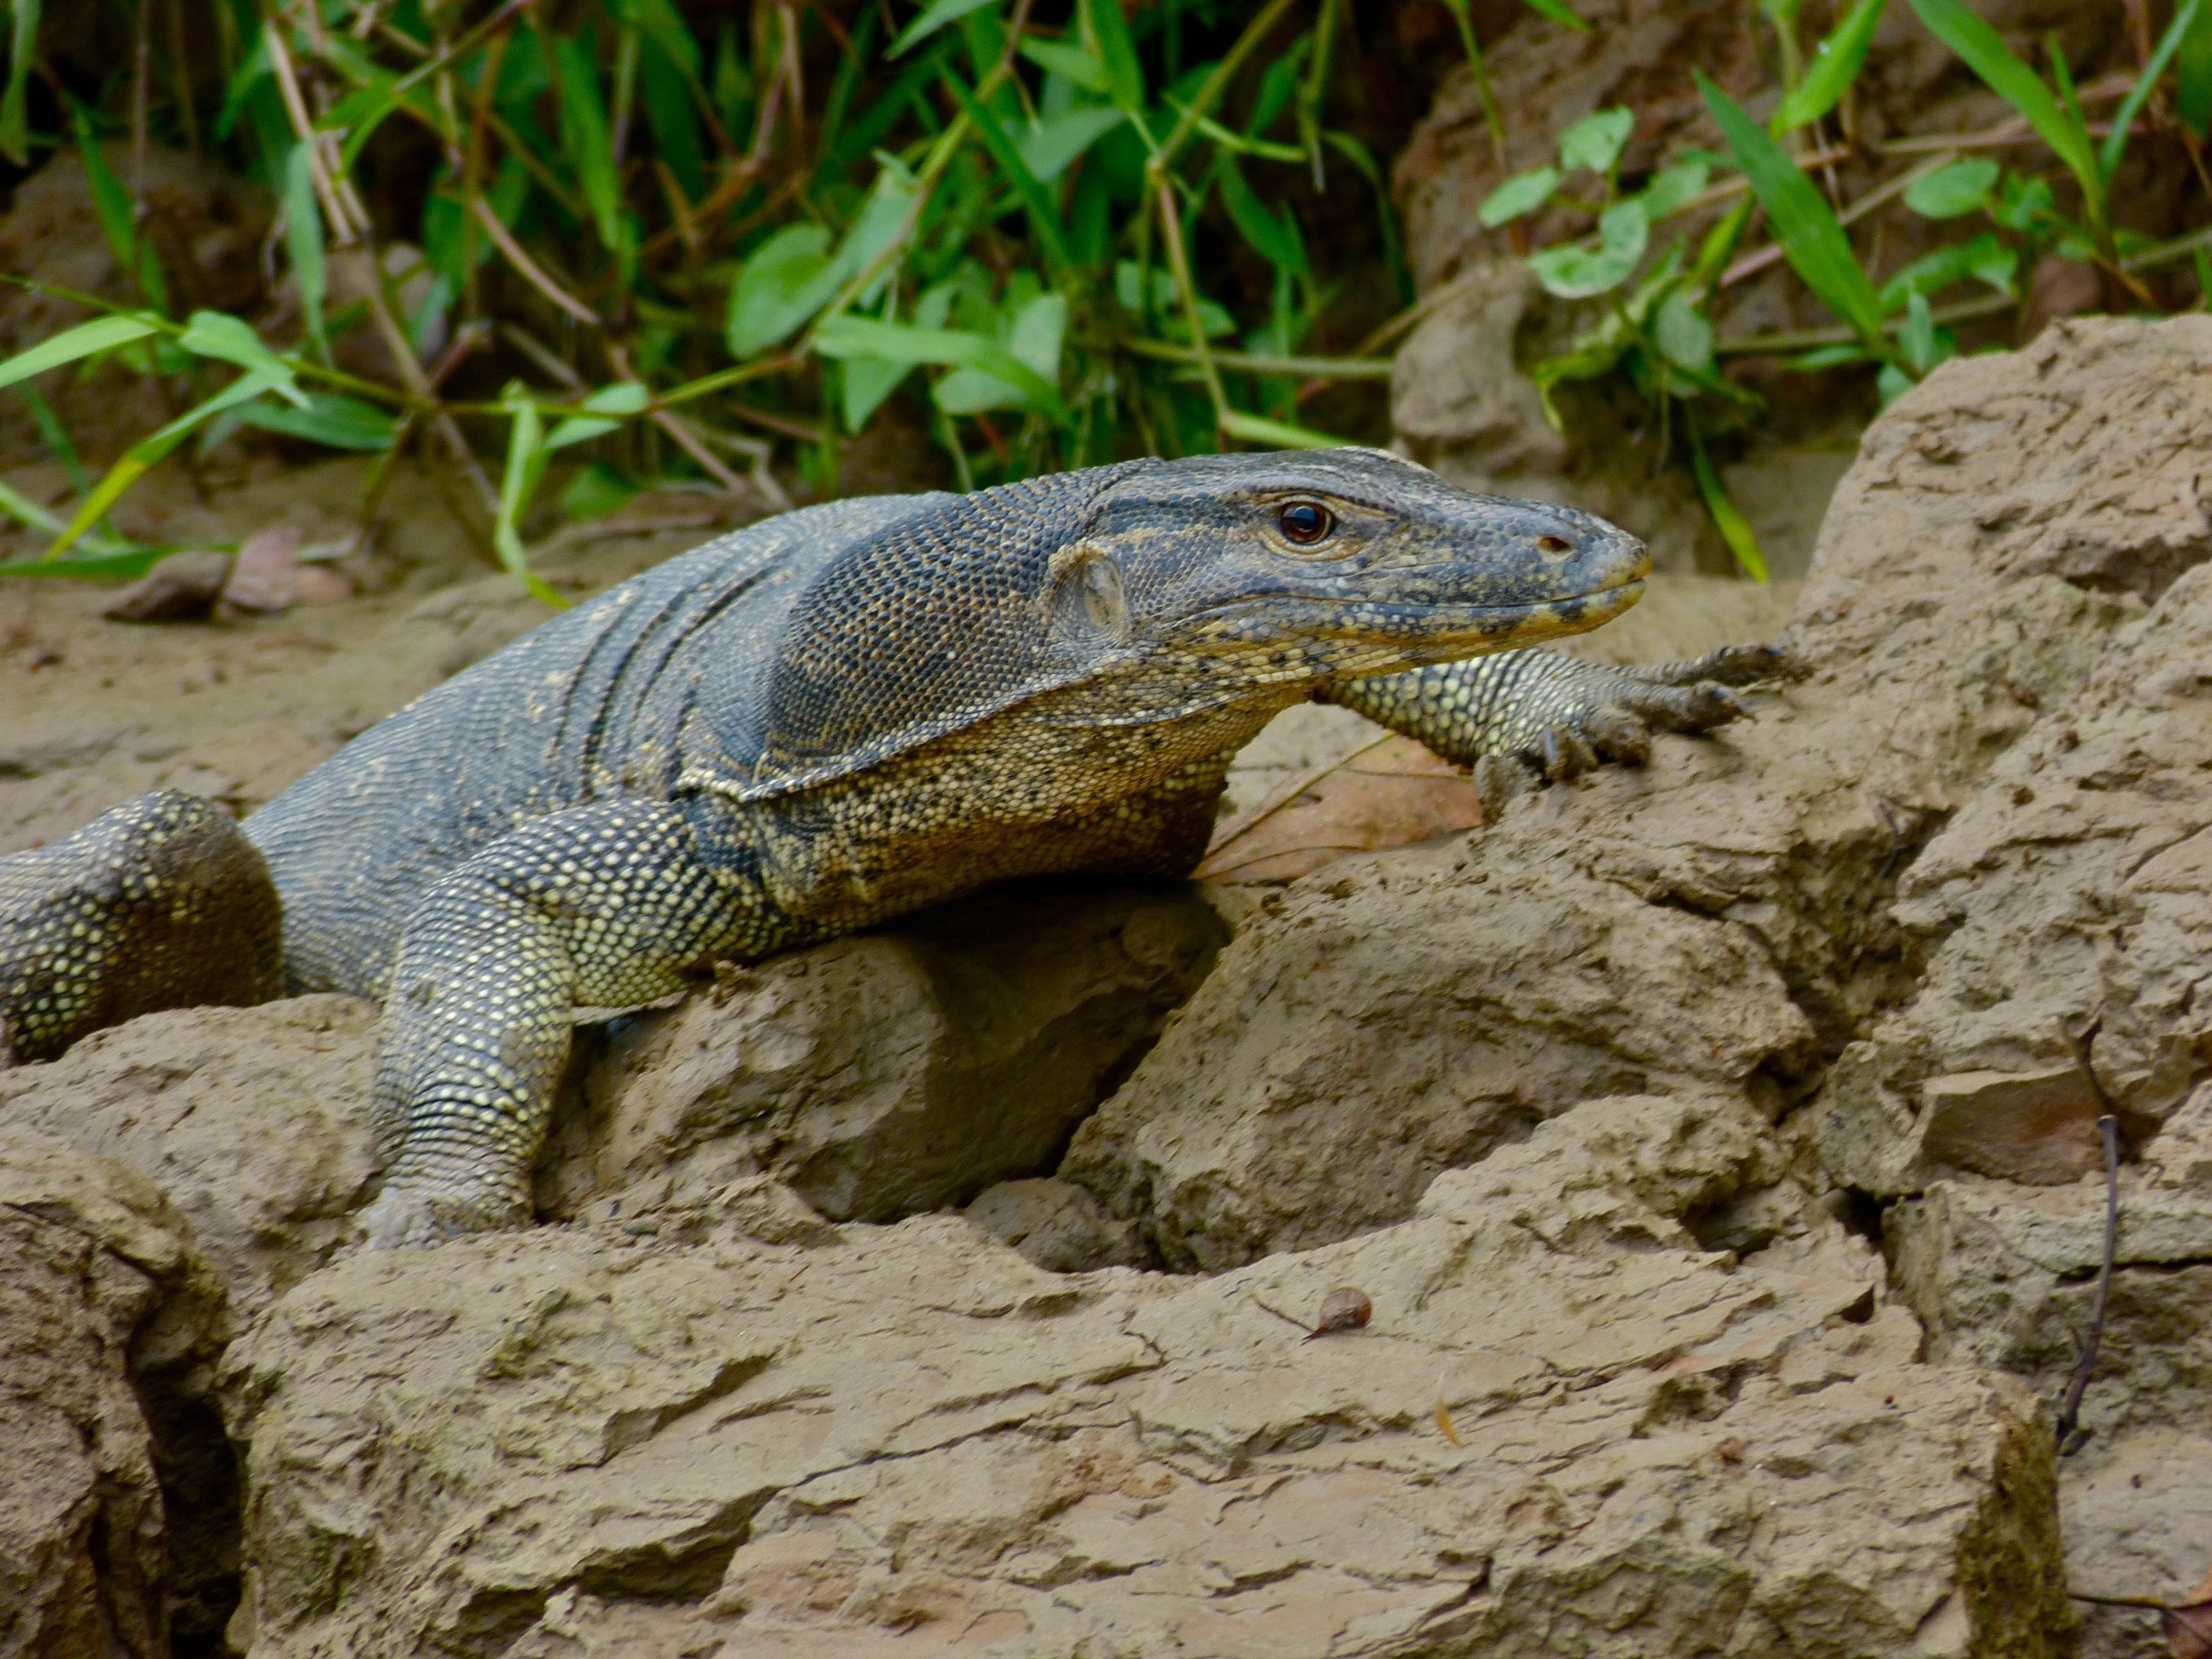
[[1343, 1309]]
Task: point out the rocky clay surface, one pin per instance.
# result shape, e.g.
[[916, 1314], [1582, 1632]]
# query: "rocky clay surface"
[[1715, 1144]]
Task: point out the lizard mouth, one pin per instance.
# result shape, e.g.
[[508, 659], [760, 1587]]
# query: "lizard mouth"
[[1430, 631]]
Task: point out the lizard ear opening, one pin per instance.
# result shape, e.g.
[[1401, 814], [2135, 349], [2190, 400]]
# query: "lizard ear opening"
[[1089, 604]]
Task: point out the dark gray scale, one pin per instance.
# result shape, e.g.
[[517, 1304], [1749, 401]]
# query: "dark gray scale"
[[829, 719]]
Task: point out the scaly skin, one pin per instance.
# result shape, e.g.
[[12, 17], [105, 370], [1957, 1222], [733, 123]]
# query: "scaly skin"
[[842, 715]]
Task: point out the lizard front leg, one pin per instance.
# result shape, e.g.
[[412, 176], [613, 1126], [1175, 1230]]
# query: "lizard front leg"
[[1502, 715], [601, 906]]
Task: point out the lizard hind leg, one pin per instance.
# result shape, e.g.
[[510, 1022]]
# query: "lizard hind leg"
[[161, 903]]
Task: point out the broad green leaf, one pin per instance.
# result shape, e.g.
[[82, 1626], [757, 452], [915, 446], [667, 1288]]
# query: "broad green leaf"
[[1048, 148], [15, 113], [1683, 336], [622, 397], [148, 451], [102, 334], [934, 16], [338, 423], [789, 277], [881, 218], [1056, 57], [1986, 53], [596, 490], [1671, 188], [303, 242], [2024, 203], [1128, 291], [1125, 76], [848, 336], [1727, 519], [1925, 344], [1524, 194], [1834, 356], [1951, 191], [2192, 75], [2115, 142], [1891, 384], [586, 141], [1559, 12], [1982, 257], [1804, 224], [1595, 141], [226, 339], [866, 381], [1836, 64], [1576, 271], [526, 466]]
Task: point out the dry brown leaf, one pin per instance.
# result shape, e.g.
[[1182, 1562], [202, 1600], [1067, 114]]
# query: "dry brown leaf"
[[2188, 1624], [1445, 1422], [1391, 793]]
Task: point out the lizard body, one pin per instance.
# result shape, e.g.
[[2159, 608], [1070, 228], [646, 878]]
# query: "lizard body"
[[828, 719]]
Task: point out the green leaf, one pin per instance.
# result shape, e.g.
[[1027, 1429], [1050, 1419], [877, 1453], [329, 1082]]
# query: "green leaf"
[[123, 563], [303, 242], [1917, 341], [1951, 191], [1595, 141], [1043, 212], [659, 21], [118, 219], [1524, 194], [789, 277], [882, 219], [1575, 272], [1983, 257], [1986, 53], [1671, 189], [15, 113], [1072, 63], [526, 466], [596, 490], [1834, 356], [666, 93], [934, 16], [866, 382], [338, 423], [1125, 76], [622, 397], [102, 334], [1836, 64], [2115, 142], [1559, 12], [1273, 238], [1682, 334], [218, 335], [1048, 148], [585, 139], [1257, 429], [148, 451], [2024, 204], [2192, 75], [1891, 384], [1804, 224], [847, 336], [1727, 519]]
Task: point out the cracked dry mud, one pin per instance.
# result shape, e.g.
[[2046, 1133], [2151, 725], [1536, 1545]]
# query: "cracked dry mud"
[[1709, 1141]]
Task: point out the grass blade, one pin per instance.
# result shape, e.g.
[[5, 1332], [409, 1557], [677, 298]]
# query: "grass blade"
[[1125, 76], [303, 242], [1258, 429], [586, 137], [117, 217], [1835, 65], [1043, 213], [2192, 75], [1811, 240], [934, 16], [15, 113], [2115, 142], [102, 334], [1985, 51], [526, 466], [1727, 518], [148, 452], [1559, 12]]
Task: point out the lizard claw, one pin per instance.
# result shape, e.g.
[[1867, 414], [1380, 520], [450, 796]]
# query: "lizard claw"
[[406, 1217], [1610, 713]]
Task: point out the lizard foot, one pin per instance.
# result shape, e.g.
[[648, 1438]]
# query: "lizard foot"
[[1604, 713], [406, 1216]]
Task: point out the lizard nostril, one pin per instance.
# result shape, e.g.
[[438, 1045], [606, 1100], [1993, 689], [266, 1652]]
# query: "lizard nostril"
[[1555, 544]]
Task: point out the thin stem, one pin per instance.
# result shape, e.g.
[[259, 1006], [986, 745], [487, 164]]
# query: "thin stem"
[[1210, 91], [1317, 368], [1179, 264], [2069, 1407]]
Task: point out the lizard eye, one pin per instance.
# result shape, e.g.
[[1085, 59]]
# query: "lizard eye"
[[1306, 522]]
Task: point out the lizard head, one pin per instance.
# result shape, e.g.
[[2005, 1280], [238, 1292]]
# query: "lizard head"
[[1307, 566]]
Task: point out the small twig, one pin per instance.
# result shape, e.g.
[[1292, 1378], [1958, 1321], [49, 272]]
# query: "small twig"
[[2069, 1407], [529, 271], [2151, 1602]]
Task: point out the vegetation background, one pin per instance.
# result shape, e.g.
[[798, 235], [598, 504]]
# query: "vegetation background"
[[571, 248]]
